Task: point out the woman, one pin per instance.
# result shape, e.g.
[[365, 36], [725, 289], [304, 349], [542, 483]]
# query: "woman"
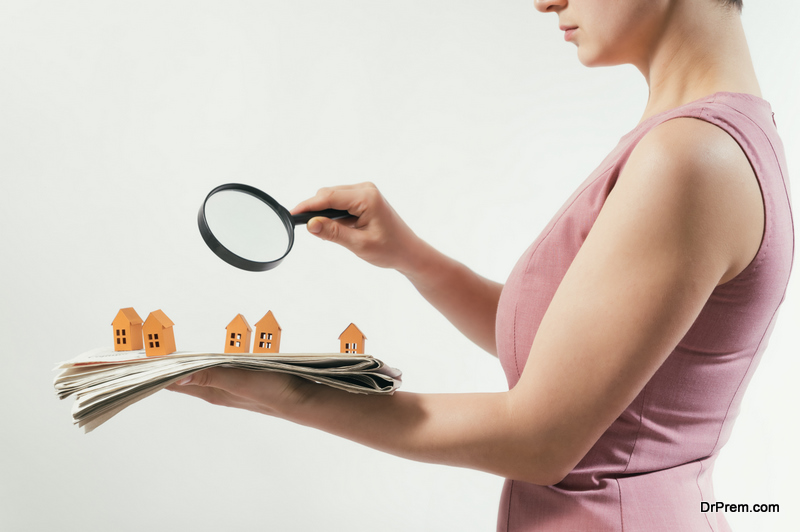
[[629, 329]]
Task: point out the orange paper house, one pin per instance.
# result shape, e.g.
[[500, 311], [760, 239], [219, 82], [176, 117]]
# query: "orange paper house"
[[127, 328], [237, 335], [268, 335], [352, 340], [158, 336]]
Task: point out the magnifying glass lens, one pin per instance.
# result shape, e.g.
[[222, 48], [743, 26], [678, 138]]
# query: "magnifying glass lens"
[[246, 226]]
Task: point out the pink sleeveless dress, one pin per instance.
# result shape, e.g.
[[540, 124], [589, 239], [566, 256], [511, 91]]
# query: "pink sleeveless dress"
[[652, 468]]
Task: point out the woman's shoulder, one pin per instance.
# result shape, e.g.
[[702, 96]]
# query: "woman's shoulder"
[[701, 173], [693, 146]]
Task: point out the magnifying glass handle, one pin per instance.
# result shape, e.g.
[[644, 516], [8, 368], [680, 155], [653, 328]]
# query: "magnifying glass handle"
[[333, 214]]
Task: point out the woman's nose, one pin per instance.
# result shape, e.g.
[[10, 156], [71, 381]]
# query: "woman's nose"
[[549, 5]]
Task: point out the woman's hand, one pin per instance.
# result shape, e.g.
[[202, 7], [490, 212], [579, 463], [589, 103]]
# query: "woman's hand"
[[264, 392], [376, 233], [379, 236]]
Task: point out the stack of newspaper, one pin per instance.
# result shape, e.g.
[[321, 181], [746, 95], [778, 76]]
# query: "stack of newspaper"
[[105, 381]]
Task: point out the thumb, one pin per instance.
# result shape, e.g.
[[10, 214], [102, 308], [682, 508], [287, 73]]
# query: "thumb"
[[198, 378], [223, 378], [331, 230]]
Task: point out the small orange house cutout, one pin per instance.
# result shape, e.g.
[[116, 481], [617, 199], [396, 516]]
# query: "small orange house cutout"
[[159, 339], [268, 335], [127, 328], [237, 335], [352, 340]]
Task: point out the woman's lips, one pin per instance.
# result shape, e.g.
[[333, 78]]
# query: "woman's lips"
[[568, 31]]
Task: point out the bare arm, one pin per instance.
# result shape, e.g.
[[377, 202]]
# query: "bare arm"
[[379, 236], [685, 216]]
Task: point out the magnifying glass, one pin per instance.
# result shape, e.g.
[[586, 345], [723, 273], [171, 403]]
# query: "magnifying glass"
[[248, 229]]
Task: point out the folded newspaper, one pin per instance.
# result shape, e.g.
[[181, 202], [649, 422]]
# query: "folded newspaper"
[[105, 381]]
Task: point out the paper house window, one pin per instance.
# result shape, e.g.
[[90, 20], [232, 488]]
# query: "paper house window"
[[238, 334], [351, 347], [160, 336]]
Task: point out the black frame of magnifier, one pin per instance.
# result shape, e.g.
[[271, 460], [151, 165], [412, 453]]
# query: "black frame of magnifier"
[[289, 221], [229, 256]]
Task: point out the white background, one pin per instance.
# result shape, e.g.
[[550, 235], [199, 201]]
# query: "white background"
[[475, 119]]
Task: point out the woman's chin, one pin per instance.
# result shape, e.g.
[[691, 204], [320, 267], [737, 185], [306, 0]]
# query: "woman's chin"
[[590, 58], [586, 57]]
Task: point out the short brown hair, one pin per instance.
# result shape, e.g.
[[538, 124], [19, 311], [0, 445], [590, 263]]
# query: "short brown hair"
[[734, 3]]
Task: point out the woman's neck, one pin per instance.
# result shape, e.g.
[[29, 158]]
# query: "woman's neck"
[[702, 50]]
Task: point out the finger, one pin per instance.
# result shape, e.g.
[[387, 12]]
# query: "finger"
[[214, 396], [258, 391], [327, 198], [220, 386], [237, 383], [333, 231], [223, 378], [350, 198]]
